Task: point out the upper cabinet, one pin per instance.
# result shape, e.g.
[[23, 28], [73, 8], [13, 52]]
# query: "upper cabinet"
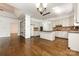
[[47, 26], [76, 14], [69, 21]]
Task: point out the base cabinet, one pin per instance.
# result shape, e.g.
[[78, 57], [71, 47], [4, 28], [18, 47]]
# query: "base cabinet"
[[73, 41], [61, 34], [48, 35]]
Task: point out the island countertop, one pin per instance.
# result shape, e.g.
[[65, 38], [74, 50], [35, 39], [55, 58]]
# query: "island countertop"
[[46, 31]]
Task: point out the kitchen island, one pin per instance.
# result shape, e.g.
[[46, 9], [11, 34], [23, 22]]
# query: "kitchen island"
[[49, 35]]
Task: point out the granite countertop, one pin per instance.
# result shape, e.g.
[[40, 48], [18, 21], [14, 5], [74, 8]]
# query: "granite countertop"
[[73, 31], [46, 31], [67, 31]]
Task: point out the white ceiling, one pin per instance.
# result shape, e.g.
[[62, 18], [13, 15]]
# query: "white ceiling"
[[30, 9]]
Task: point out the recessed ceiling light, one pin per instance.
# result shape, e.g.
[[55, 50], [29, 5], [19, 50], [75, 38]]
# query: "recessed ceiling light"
[[57, 10]]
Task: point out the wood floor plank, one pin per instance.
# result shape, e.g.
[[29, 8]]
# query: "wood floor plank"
[[19, 46]]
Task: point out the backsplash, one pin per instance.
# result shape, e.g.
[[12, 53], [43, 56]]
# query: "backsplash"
[[68, 28]]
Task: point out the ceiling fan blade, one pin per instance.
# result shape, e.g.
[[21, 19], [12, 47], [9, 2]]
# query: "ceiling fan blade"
[[46, 13]]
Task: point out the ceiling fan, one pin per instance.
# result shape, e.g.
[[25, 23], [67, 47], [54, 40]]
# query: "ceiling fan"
[[46, 13], [41, 7]]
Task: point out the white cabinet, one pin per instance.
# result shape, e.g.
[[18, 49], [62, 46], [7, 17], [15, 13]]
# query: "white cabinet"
[[64, 22], [36, 33], [47, 35], [73, 41], [77, 11], [47, 26], [61, 34], [76, 14], [27, 26], [22, 28], [34, 24]]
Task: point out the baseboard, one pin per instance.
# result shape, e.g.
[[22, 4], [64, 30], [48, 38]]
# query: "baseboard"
[[36, 36], [22, 36], [61, 38], [68, 47], [13, 33], [3, 38]]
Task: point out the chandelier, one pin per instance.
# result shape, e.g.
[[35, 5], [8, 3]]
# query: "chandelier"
[[41, 7]]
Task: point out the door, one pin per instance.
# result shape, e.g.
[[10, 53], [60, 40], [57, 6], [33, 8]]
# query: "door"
[[14, 29]]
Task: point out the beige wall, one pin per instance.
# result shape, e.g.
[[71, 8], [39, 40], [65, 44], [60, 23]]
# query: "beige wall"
[[15, 27]]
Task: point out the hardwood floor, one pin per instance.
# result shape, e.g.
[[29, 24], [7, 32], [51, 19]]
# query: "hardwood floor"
[[58, 47], [18, 46]]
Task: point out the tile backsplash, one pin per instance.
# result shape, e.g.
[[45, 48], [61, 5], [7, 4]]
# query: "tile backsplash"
[[68, 28]]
